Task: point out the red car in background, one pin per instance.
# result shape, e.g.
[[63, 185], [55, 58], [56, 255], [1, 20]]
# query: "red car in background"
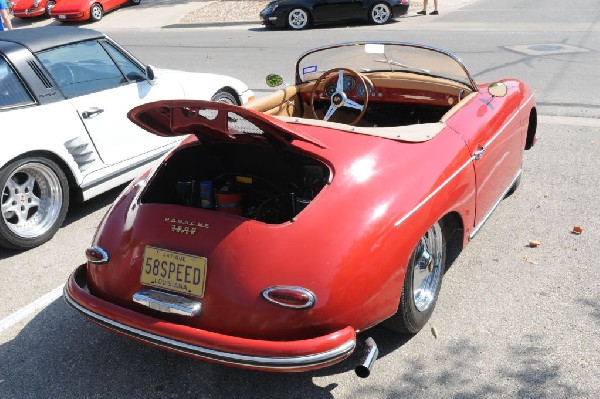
[[32, 8], [84, 10]]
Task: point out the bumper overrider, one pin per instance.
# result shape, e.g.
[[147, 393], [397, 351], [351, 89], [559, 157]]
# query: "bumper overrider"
[[283, 356]]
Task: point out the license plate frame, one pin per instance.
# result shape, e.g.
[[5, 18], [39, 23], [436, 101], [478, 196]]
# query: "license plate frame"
[[174, 271]]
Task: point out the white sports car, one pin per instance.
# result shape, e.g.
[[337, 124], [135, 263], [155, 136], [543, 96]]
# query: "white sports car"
[[64, 97]]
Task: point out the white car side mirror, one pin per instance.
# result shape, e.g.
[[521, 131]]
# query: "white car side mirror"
[[151, 75]]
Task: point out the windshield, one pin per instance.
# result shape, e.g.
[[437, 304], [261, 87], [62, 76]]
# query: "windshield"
[[382, 56]]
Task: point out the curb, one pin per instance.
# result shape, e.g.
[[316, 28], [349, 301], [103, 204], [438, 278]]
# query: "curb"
[[211, 24]]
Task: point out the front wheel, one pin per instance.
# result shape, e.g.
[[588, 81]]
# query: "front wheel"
[[422, 283], [96, 12], [298, 19], [135, 2], [34, 202], [49, 5], [224, 97], [380, 14]]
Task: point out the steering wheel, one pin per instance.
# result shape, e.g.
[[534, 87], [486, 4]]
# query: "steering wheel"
[[340, 99]]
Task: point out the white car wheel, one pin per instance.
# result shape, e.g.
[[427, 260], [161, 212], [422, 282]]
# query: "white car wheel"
[[380, 14], [96, 12], [225, 97], [298, 19], [49, 6], [33, 202]]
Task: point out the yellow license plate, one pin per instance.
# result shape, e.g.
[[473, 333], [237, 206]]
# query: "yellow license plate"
[[174, 271]]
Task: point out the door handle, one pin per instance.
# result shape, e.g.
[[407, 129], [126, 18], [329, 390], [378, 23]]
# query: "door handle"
[[479, 152], [91, 113]]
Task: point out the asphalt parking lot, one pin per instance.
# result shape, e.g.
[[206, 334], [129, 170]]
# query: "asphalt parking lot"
[[512, 321]]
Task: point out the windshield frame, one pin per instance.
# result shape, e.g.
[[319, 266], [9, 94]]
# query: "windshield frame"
[[470, 83]]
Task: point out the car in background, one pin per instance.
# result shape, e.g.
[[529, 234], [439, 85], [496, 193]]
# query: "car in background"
[[32, 8], [86, 10], [310, 214], [64, 97], [300, 14]]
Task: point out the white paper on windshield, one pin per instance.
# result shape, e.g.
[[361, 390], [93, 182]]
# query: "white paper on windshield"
[[374, 48]]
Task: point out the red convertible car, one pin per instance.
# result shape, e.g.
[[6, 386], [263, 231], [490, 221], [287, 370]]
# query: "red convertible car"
[[84, 10], [277, 232]]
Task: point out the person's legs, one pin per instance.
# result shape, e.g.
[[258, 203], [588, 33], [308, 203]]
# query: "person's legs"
[[423, 12], [435, 8]]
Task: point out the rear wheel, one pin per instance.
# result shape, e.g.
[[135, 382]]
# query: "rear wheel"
[[298, 19], [49, 5], [96, 12], [33, 202], [421, 284], [380, 14], [224, 97], [135, 2]]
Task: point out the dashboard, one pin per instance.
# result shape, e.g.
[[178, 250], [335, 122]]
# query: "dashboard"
[[355, 90]]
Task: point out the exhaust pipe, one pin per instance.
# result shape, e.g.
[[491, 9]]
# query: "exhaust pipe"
[[363, 370]]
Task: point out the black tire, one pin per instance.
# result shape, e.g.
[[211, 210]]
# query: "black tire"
[[225, 97], [298, 19], [49, 6], [380, 13], [96, 12], [34, 199], [514, 186], [428, 259], [135, 2]]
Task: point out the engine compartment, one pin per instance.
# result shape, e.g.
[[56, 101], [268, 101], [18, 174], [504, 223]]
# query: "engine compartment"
[[260, 182]]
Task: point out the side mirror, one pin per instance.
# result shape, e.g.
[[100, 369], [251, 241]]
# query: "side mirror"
[[150, 74], [274, 80], [497, 89]]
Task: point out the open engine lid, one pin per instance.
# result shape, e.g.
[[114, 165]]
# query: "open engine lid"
[[213, 121]]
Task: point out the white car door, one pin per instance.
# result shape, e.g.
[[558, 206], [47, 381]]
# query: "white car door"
[[103, 84]]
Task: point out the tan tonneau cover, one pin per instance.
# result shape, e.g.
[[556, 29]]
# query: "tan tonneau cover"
[[414, 133]]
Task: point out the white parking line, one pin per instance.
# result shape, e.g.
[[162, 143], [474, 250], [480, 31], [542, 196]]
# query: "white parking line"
[[28, 310]]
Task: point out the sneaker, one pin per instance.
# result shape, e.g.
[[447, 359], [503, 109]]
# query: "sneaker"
[[434, 13], [421, 12]]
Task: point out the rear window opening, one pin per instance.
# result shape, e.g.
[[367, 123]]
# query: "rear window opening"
[[264, 183]]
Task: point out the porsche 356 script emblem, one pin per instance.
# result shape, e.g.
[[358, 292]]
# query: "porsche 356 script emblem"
[[185, 226]]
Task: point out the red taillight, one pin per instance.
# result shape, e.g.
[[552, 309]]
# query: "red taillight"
[[96, 255], [290, 297]]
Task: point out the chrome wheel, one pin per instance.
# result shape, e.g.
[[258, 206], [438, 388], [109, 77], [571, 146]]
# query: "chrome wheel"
[[96, 12], [428, 265], [34, 198], [224, 97], [380, 13], [49, 6], [31, 200], [298, 19], [422, 282]]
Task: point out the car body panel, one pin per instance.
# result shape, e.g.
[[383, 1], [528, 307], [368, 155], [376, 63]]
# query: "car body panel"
[[349, 246], [29, 8], [79, 10]]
